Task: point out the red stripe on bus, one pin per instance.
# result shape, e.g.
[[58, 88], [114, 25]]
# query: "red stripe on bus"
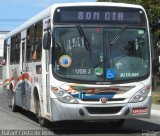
[[12, 78], [7, 80], [24, 76]]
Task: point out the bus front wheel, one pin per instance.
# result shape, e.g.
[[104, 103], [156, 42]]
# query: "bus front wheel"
[[13, 103], [42, 121]]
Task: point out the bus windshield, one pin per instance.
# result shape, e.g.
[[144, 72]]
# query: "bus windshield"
[[101, 53]]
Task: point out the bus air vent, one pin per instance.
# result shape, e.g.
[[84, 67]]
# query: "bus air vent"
[[104, 110]]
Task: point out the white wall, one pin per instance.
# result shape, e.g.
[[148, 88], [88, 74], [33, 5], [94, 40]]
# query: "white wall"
[[2, 36]]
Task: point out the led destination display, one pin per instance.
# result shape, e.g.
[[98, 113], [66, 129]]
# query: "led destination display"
[[98, 15]]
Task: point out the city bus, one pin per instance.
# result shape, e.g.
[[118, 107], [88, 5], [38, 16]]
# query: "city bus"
[[81, 61]]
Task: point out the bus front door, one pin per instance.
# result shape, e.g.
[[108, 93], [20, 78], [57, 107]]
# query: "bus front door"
[[23, 69], [23, 90]]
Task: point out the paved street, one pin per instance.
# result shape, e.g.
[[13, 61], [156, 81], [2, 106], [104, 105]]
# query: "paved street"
[[26, 121]]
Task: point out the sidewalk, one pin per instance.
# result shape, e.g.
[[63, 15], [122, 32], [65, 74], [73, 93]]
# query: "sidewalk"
[[155, 111], [156, 107]]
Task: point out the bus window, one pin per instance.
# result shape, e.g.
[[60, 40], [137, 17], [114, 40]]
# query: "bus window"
[[17, 49], [37, 53], [30, 43], [5, 53], [12, 50], [34, 43]]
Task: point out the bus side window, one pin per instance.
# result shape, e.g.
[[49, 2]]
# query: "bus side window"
[[30, 43], [4, 53], [12, 49], [37, 53], [17, 48]]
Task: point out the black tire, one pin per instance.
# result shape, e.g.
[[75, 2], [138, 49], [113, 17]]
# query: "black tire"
[[117, 123], [13, 103], [42, 121]]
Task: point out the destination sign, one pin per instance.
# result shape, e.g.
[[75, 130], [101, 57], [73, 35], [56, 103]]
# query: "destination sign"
[[104, 16], [99, 15]]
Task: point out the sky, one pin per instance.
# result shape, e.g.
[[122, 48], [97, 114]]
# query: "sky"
[[15, 12]]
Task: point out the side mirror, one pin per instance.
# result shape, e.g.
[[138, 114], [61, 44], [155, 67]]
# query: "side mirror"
[[46, 41]]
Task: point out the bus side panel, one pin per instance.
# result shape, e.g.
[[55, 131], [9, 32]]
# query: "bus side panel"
[[14, 74], [5, 82], [6, 71], [34, 82]]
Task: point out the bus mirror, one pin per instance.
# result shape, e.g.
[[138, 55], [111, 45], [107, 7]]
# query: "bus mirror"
[[46, 41]]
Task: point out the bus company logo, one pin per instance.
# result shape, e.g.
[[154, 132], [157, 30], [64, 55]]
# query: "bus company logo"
[[65, 61], [104, 100]]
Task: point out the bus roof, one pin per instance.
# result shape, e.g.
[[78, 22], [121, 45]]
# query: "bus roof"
[[46, 13], [97, 4]]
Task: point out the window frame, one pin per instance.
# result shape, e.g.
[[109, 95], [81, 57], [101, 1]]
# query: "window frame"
[[5, 53], [34, 44], [15, 49]]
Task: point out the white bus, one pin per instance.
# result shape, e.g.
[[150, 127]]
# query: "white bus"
[[81, 61]]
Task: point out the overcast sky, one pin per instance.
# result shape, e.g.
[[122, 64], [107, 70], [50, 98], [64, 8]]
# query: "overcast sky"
[[15, 12]]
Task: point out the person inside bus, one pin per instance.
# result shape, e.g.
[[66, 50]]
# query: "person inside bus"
[[134, 48], [132, 56], [37, 53], [34, 56]]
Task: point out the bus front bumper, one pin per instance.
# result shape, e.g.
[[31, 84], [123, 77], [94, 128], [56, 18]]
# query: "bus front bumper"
[[62, 111]]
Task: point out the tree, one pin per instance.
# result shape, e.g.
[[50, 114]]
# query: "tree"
[[152, 8]]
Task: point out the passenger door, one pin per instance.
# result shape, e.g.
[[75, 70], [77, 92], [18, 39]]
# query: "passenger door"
[[45, 68], [23, 68]]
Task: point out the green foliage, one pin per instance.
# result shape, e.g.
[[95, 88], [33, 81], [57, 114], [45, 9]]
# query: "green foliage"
[[156, 97], [152, 8]]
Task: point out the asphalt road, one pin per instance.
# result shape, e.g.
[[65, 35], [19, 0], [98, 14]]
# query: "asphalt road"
[[25, 123]]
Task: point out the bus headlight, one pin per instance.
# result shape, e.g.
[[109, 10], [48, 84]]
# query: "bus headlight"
[[63, 96], [140, 96]]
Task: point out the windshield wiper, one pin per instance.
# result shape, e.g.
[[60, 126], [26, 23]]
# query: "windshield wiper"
[[118, 36], [81, 32]]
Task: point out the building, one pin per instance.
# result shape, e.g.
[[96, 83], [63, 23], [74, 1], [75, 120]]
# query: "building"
[[2, 36]]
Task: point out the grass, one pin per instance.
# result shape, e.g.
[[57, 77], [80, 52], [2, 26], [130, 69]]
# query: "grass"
[[156, 97]]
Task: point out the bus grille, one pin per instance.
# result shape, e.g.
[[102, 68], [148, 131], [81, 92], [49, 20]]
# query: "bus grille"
[[103, 110], [108, 100]]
